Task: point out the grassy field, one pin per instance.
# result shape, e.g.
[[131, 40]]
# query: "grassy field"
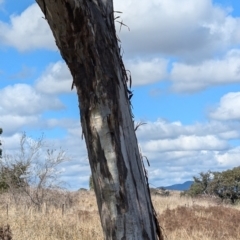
[[181, 218]]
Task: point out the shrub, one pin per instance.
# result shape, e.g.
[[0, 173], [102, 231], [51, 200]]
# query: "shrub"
[[225, 185]]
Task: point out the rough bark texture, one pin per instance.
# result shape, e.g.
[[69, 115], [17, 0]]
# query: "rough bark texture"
[[85, 35]]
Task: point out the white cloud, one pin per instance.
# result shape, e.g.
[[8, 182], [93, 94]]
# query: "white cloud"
[[22, 99], [189, 143], [55, 80], [234, 134], [162, 129], [146, 72], [230, 158], [14, 123], [177, 152], [175, 156], [192, 30], [195, 77], [178, 166], [228, 108], [27, 31], [22, 108], [10, 143]]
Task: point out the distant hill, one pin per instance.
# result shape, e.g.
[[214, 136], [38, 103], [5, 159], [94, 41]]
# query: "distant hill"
[[180, 187]]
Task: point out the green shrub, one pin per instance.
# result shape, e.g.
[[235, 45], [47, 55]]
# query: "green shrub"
[[225, 185]]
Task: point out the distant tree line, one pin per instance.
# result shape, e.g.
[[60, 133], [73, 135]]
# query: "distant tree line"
[[225, 185]]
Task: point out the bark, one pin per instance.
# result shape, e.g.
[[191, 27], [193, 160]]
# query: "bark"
[[85, 35]]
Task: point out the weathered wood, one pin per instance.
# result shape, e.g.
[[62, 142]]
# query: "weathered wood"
[[85, 35]]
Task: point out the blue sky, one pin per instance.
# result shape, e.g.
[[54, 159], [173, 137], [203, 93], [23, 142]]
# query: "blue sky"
[[184, 57]]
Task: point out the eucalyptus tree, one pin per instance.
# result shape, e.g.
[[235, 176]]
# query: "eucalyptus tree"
[[85, 34]]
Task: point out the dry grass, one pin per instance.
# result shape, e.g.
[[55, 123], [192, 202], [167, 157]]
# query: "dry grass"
[[54, 223], [199, 222], [181, 219]]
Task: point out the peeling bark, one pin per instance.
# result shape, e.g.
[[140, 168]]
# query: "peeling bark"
[[85, 35]]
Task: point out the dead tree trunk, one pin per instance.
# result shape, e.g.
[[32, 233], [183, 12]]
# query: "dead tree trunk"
[[85, 35]]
